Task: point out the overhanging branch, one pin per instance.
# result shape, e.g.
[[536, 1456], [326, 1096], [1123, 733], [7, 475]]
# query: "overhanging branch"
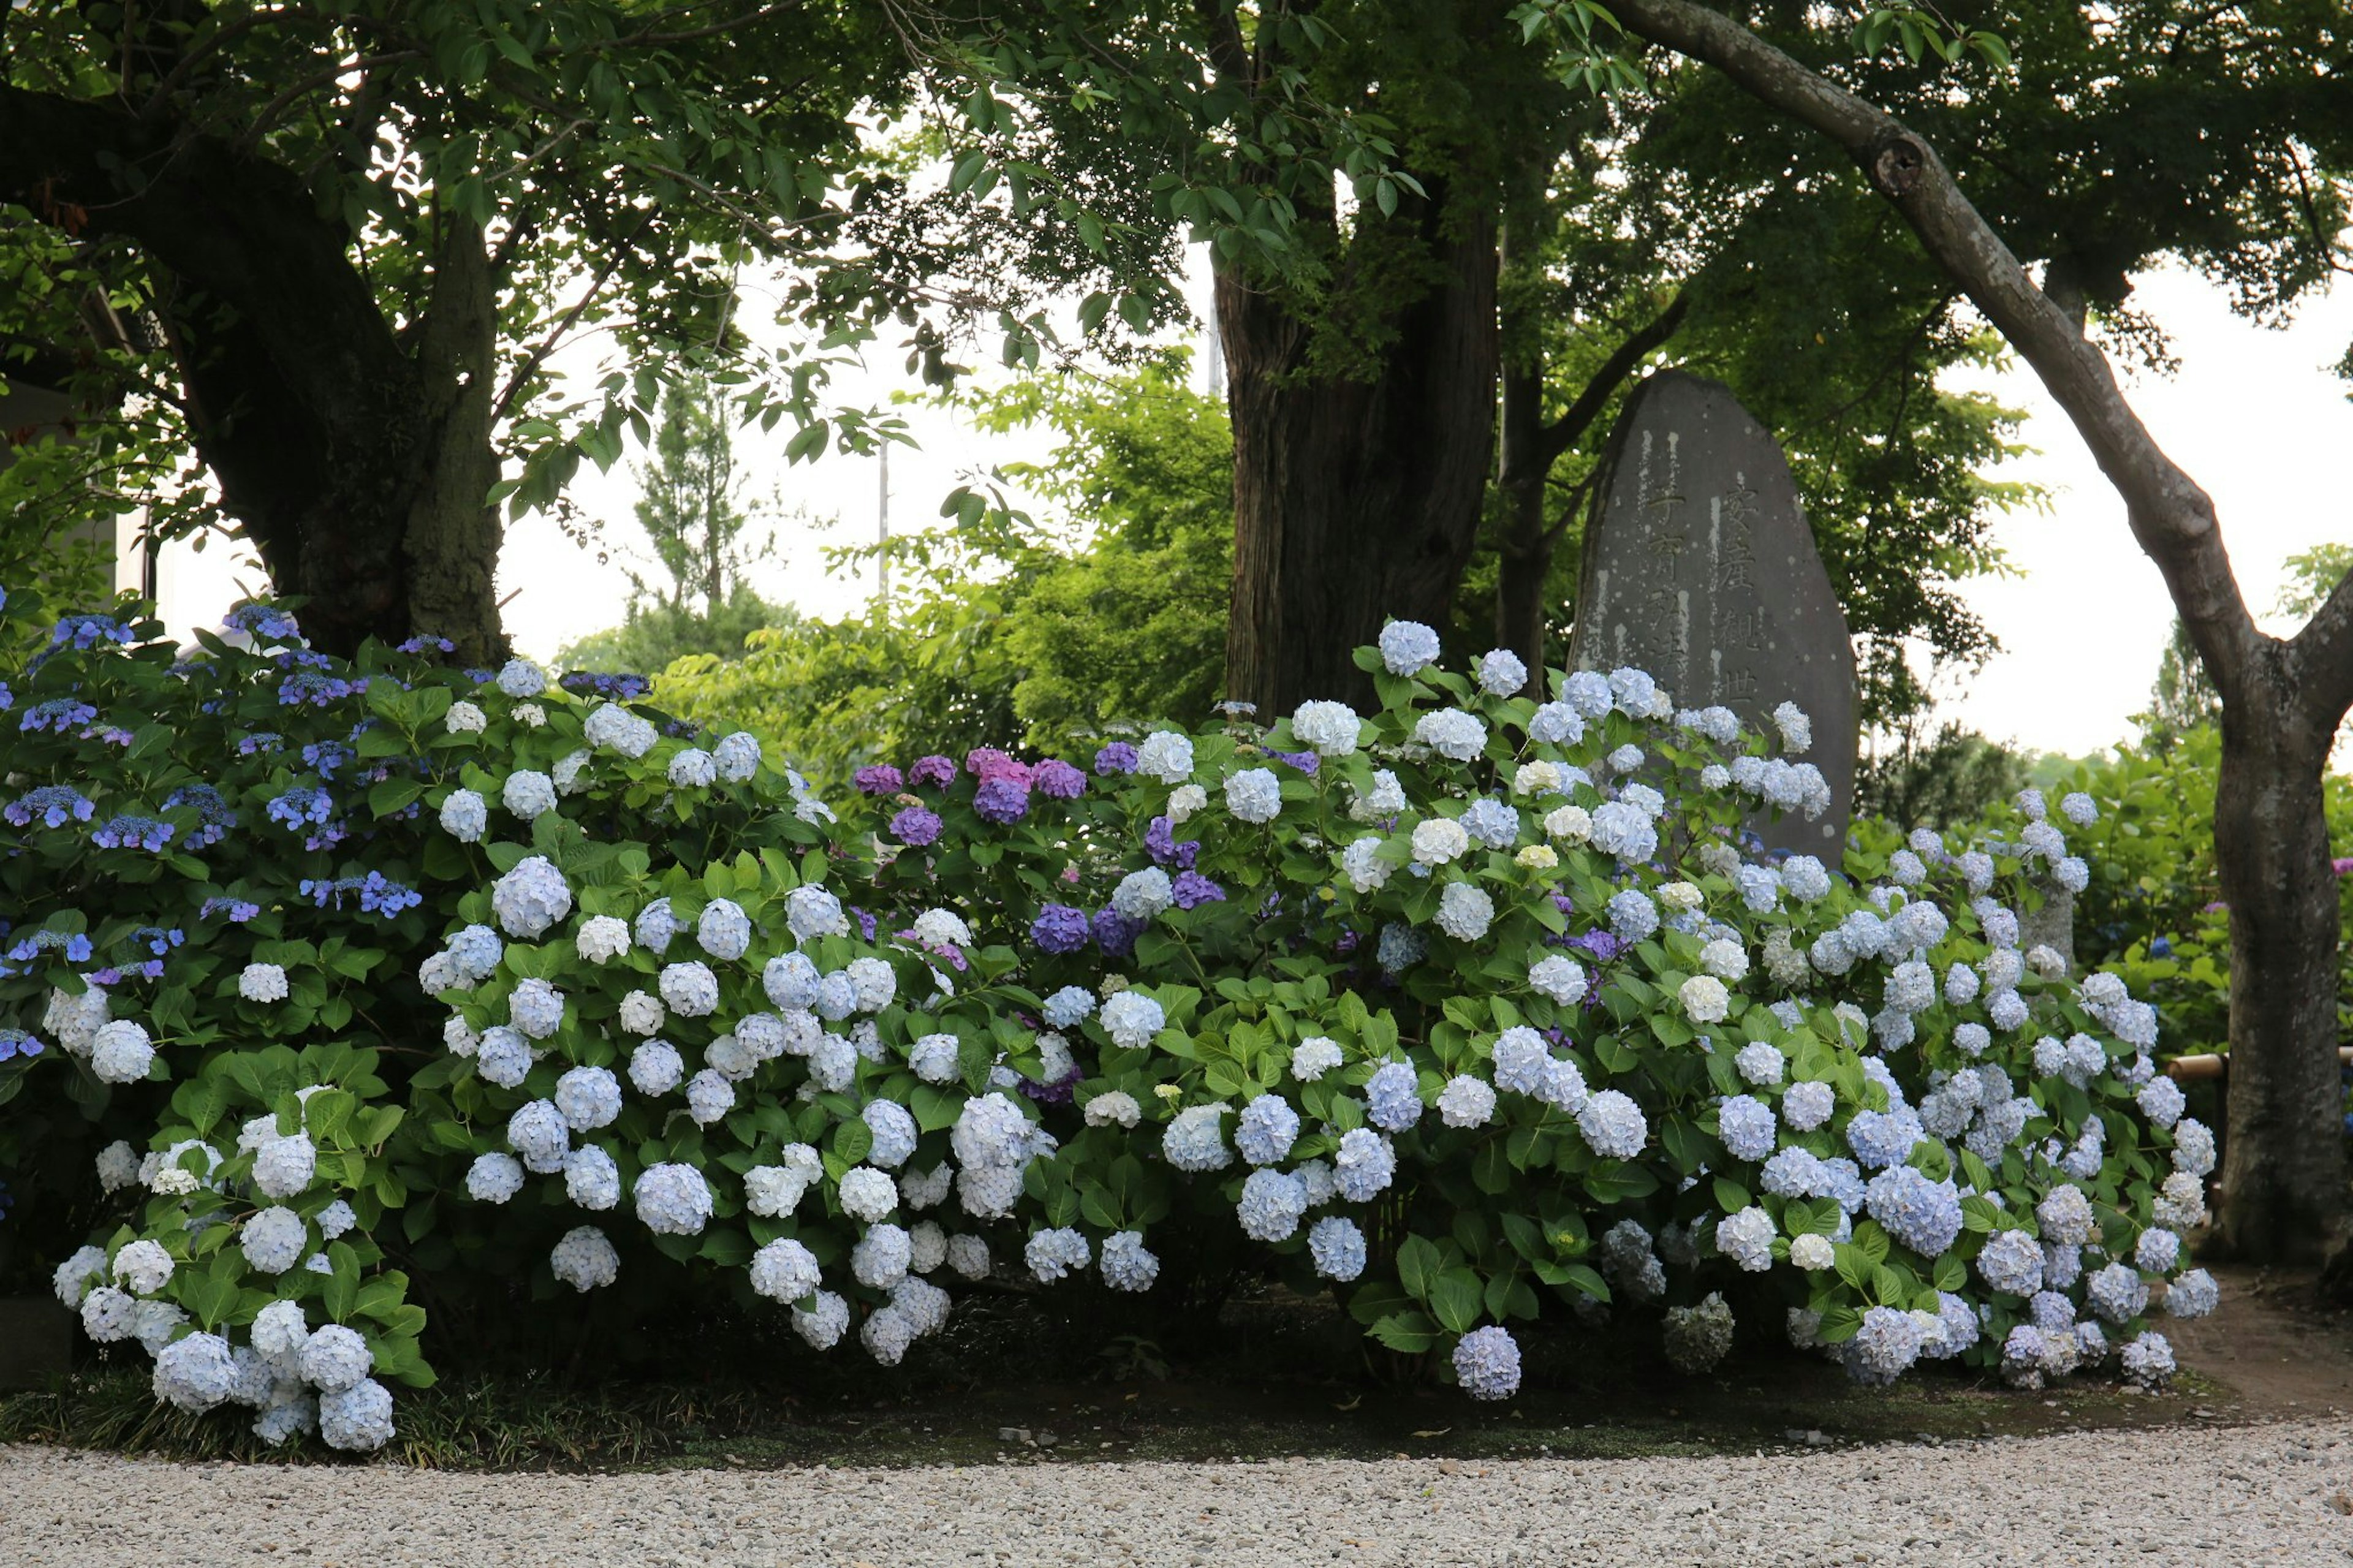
[[2170, 516]]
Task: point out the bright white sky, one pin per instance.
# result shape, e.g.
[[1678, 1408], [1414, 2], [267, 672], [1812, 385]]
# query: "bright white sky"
[[2253, 415]]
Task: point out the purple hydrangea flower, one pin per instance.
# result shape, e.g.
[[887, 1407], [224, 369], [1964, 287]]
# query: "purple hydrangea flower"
[[1117, 757], [615, 687], [1600, 943], [1058, 927], [1057, 780], [1191, 889], [1306, 761], [131, 831], [1001, 801], [60, 714], [939, 771], [55, 804], [1115, 933], [880, 778], [867, 923], [1160, 843], [916, 827]]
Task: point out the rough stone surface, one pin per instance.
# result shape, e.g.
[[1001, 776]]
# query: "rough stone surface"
[[1699, 566], [2161, 1495]]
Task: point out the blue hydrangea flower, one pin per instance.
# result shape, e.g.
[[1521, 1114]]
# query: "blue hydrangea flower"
[[1747, 1126], [1273, 1204], [131, 831], [54, 804], [1925, 1216], [1267, 1128], [1337, 1247], [1393, 1098], [1487, 1363]]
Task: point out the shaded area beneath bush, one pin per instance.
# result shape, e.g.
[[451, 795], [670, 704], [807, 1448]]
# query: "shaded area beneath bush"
[[1012, 1381]]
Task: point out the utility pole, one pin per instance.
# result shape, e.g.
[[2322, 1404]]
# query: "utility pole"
[[883, 530]]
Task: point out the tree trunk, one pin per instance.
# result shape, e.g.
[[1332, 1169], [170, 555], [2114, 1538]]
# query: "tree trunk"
[[356, 459], [2282, 700], [1528, 543], [2284, 1162], [1357, 493]]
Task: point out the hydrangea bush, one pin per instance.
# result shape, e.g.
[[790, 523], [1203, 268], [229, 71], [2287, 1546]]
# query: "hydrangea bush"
[[1473, 1011]]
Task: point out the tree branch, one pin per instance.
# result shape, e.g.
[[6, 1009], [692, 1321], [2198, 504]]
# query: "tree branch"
[[548, 345], [1564, 432], [2323, 652], [2171, 518]]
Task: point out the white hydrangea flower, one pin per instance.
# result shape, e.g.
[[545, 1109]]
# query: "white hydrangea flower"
[[673, 1199], [585, 1259], [693, 768], [334, 1358], [1500, 672], [464, 719], [262, 982], [1464, 911], [1313, 1057], [811, 911], [120, 1052], [690, 989], [1705, 999], [602, 939], [493, 1178], [532, 898], [284, 1167], [143, 1267], [1466, 1101], [1572, 824], [1165, 756], [1328, 729], [1408, 648], [1438, 841], [274, 1239], [1362, 864], [1113, 1107], [1254, 796], [528, 795], [118, 1167], [786, 1271], [1452, 733]]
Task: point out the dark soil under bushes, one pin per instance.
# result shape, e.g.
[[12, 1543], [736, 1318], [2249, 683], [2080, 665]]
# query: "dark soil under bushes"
[[1011, 1380]]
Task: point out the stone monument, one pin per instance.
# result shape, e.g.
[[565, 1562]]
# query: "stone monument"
[[1699, 567]]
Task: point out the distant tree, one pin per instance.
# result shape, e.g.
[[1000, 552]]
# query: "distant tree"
[[1923, 781], [1006, 628], [2184, 698], [657, 635], [704, 534]]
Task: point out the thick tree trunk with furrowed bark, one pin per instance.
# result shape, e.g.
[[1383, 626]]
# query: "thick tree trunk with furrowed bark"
[[2284, 1165], [1357, 493], [358, 460]]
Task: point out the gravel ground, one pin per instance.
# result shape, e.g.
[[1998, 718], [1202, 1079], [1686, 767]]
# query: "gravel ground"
[[2270, 1494]]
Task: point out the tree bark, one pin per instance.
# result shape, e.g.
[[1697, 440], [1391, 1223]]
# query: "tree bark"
[[2283, 1187], [2284, 1165], [356, 460], [1530, 448], [1357, 493]]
